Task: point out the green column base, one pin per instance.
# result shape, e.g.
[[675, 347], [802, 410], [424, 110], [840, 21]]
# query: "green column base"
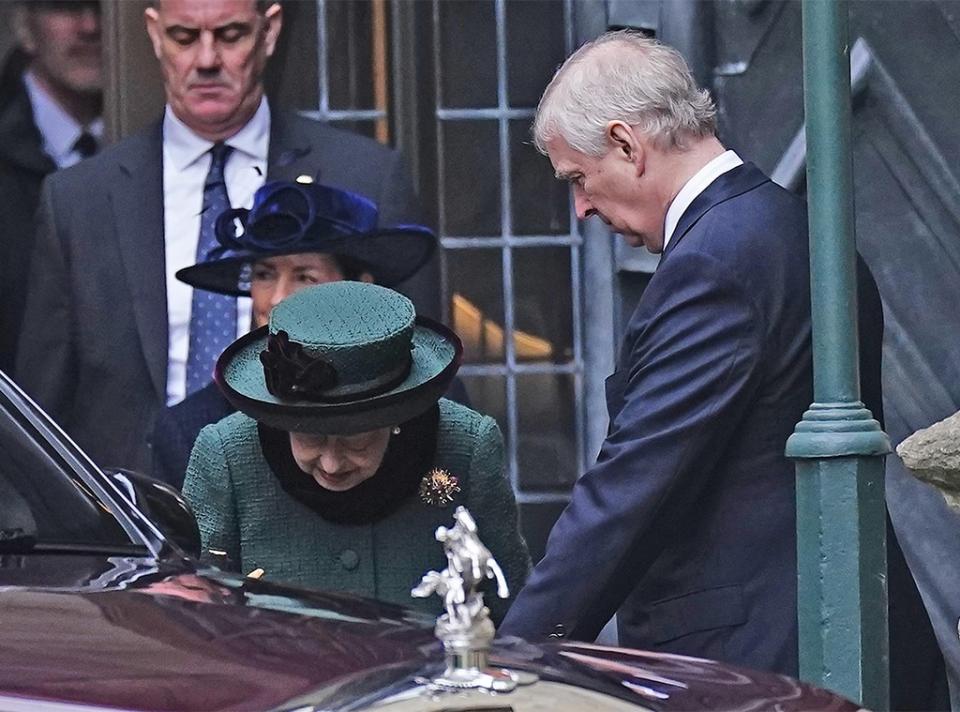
[[841, 564], [837, 430]]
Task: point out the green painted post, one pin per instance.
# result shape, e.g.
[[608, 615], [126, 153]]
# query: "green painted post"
[[839, 447]]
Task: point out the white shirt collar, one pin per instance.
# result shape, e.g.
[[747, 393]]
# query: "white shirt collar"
[[59, 129], [182, 146], [700, 181]]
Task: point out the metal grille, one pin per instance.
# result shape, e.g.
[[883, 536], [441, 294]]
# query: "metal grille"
[[373, 110], [554, 380], [509, 244]]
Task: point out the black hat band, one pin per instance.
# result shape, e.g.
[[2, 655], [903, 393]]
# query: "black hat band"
[[291, 373]]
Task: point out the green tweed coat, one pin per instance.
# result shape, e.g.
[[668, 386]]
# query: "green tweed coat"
[[243, 511]]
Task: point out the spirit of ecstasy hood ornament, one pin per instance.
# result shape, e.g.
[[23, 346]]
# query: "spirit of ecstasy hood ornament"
[[465, 629]]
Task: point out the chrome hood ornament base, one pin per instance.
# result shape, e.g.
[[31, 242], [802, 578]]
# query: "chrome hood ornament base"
[[465, 629]]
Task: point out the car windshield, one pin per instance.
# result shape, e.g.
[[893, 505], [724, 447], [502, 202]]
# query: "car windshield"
[[43, 503]]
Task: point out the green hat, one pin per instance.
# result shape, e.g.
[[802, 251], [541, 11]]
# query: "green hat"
[[340, 358]]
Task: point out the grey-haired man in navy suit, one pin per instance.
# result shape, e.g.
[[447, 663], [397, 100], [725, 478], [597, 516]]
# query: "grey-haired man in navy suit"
[[109, 336], [686, 524]]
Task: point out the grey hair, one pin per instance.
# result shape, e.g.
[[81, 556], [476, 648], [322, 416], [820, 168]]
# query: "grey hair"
[[261, 5], [627, 76]]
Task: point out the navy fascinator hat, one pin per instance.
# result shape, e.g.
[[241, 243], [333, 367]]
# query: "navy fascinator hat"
[[291, 218]]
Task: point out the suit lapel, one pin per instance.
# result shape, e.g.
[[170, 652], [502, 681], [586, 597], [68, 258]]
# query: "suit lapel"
[[290, 149], [137, 200], [729, 185]]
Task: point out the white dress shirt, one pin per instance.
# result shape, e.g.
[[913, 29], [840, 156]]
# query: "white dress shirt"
[[700, 181], [58, 129], [186, 160]]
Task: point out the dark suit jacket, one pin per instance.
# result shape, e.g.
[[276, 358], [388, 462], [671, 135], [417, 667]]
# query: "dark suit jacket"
[[93, 350], [177, 428], [23, 166], [686, 522]]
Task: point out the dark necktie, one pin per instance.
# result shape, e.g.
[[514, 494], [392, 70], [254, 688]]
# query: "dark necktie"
[[86, 145], [213, 317]]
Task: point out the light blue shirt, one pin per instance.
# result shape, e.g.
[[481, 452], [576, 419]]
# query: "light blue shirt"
[[59, 130]]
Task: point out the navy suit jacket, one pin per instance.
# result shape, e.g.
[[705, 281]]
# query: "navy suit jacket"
[[177, 428], [93, 348], [686, 522]]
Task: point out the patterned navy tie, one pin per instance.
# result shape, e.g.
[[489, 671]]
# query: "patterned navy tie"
[[213, 317]]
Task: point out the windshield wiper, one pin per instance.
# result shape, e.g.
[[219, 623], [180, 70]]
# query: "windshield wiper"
[[16, 540]]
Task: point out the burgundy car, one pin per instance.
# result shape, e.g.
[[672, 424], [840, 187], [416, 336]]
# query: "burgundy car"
[[102, 606]]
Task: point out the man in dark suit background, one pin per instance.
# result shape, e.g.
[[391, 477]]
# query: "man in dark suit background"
[[686, 523], [109, 335], [51, 96]]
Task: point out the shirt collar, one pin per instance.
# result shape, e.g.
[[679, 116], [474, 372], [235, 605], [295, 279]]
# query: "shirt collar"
[[701, 180], [59, 129], [183, 147]]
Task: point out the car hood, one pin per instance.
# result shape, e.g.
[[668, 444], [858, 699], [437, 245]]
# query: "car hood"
[[135, 634], [572, 677]]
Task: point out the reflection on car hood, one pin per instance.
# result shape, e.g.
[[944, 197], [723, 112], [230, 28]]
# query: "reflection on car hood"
[[134, 634], [574, 677]]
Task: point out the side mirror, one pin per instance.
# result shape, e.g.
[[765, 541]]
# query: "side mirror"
[[164, 506]]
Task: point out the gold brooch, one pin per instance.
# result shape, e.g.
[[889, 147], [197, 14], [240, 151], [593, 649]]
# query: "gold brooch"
[[438, 487]]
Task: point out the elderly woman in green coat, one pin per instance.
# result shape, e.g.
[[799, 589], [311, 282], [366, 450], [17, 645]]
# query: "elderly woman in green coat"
[[344, 458]]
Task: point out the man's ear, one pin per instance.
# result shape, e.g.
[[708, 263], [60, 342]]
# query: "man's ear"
[[627, 144], [152, 18], [22, 29], [274, 19]]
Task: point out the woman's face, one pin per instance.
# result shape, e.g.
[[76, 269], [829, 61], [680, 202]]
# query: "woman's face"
[[340, 462], [276, 278]]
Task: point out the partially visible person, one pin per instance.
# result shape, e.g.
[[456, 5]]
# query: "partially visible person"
[[51, 98], [344, 457], [110, 337], [295, 236]]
